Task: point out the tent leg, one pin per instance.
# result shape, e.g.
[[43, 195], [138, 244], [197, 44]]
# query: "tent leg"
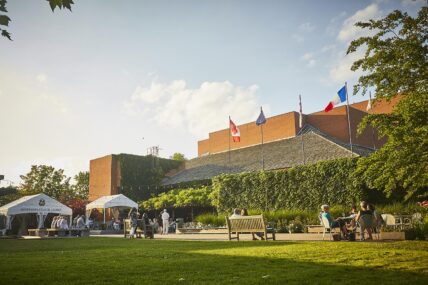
[[104, 212]]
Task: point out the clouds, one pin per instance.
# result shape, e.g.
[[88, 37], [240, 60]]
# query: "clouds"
[[302, 29], [349, 31], [309, 59], [340, 70], [41, 77], [199, 110]]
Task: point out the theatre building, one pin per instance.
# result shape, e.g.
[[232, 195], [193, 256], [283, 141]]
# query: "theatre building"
[[323, 136]]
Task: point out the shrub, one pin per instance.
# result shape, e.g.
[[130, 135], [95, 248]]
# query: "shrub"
[[211, 219]]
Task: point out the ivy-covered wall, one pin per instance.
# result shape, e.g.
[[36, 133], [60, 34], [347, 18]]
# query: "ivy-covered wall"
[[141, 175], [305, 187]]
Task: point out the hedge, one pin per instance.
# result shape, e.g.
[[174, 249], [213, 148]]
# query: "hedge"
[[301, 187]]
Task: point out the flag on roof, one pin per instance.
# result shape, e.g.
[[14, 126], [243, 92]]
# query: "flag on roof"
[[234, 131], [300, 112], [369, 104], [337, 99], [261, 119]]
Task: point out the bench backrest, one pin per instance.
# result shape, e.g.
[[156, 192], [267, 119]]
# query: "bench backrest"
[[246, 223], [389, 219]]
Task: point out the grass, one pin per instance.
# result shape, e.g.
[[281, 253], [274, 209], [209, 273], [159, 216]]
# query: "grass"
[[118, 261]]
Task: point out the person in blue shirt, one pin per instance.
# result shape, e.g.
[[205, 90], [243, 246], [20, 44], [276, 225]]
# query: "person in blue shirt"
[[334, 223]]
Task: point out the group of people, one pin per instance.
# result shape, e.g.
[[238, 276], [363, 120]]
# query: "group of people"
[[154, 224], [59, 222], [348, 224], [244, 212], [79, 222]]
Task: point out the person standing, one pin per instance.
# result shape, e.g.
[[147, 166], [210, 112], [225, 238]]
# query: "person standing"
[[133, 222], [165, 222]]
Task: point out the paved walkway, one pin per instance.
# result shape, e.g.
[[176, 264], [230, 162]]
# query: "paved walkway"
[[224, 237]]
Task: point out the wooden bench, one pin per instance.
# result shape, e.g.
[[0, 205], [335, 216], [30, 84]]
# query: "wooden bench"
[[247, 224], [315, 229], [142, 228], [58, 232], [37, 232]]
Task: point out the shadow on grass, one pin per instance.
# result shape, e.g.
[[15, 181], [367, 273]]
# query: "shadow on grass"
[[118, 261]]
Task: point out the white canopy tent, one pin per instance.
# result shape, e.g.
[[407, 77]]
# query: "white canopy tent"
[[113, 201], [39, 204]]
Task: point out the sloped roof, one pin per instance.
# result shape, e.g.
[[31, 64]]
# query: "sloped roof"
[[279, 154], [39, 203], [111, 201]]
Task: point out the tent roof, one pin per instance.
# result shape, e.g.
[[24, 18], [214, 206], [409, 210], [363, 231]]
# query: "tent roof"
[[112, 201], [39, 203]]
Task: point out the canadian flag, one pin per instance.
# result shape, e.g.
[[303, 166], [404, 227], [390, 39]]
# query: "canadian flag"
[[236, 135]]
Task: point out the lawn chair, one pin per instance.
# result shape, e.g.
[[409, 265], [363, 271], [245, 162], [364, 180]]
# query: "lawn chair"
[[326, 223], [391, 221], [417, 218]]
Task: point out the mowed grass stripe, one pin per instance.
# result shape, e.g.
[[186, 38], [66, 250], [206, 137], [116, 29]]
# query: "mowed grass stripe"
[[120, 261]]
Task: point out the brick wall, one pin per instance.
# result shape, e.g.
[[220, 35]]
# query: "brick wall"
[[333, 123], [104, 177], [276, 128]]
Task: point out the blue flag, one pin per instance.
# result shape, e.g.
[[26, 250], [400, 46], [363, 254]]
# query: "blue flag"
[[261, 119], [342, 94]]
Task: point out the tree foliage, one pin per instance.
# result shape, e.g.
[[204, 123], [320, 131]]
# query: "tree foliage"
[[395, 63], [180, 198], [8, 194], [81, 186], [48, 180], [5, 20], [178, 156]]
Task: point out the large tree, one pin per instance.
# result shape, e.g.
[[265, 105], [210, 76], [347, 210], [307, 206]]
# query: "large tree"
[[46, 179], [81, 186], [395, 63], [4, 19]]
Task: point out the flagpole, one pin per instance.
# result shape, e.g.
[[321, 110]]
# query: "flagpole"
[[301, 127], [263, 158], [373, 131], [229, 143], [349, 121]]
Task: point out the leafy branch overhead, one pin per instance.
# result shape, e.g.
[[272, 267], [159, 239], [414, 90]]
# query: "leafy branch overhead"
[[5, 20], [395, 64]]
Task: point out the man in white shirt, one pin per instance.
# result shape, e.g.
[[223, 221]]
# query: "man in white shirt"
[[64, 224], [80, 222], [165, 222]]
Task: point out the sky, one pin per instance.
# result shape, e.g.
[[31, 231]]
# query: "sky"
[[121, 76]]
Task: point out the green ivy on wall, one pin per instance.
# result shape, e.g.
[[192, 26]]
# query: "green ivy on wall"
[[302, 187], [141, 175]]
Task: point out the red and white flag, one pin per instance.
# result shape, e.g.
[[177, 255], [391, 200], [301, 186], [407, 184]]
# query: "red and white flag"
[[234, 131], [369, 104]]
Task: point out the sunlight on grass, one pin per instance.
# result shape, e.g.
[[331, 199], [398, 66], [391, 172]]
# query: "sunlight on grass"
[[122, 261]]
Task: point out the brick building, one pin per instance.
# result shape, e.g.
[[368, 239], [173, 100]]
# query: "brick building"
[[324, 136]]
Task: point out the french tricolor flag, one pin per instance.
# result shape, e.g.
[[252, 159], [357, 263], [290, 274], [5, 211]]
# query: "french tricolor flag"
[[339, 98]]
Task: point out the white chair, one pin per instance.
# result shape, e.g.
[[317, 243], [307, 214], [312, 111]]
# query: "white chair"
[[391, 221], [326, 224]]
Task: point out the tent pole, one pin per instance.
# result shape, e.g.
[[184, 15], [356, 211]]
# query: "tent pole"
[[104, 212]]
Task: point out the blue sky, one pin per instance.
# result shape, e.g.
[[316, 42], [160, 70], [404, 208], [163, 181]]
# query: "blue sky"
[[76, 86]]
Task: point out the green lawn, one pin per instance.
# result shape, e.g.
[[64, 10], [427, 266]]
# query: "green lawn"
[[121, 261]]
